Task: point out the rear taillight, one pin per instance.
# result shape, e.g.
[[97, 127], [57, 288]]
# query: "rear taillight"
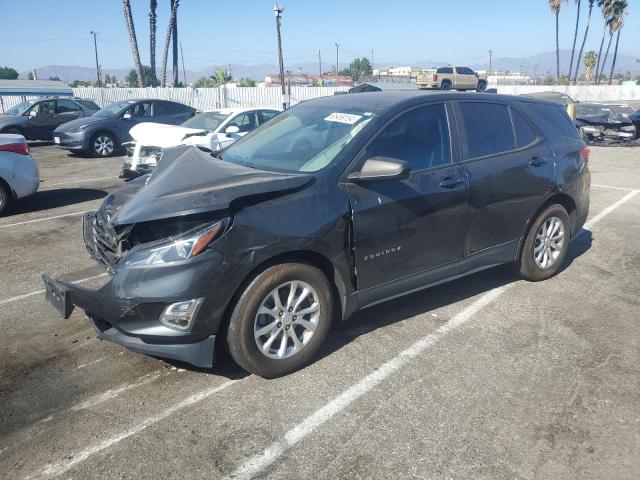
[[21, 148], [435, 77], [584, 151]]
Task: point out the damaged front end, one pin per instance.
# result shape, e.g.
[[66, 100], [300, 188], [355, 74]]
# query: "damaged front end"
[[156, 237], [599, 125]]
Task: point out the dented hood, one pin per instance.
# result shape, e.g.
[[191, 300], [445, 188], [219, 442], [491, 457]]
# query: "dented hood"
[[187, 181], [163, 136]]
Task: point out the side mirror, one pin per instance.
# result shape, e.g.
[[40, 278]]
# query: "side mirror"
[[33, 113], [381, 168], [232, 129], [126, 116]]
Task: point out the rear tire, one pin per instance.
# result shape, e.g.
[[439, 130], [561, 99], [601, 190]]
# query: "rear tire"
[[545, 246], [5, 198], [482, 86], [446, 85], [307, 316]]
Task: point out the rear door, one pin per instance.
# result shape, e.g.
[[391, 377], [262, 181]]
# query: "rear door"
[[510, 169], [405, 227], [66, 110]]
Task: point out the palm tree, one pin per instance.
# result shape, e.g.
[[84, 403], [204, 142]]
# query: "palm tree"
[[584, 40], [167, 41], [619, 13], [589, 63], [555, 8], [128, 18], [575, 37], [605, 8], [611, 24], [153, 5]]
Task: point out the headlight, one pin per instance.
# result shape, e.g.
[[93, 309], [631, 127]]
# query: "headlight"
[[78, 129], [177, 251], [590, 129]]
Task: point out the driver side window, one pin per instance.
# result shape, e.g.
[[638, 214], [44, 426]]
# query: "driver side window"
[[44, 108], [419, 137], [245, 121]]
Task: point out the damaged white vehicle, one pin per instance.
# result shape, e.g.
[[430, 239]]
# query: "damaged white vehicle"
[[213, 130]]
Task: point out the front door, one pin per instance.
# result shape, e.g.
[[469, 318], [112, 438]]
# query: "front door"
[[42, 120], [403, 228]]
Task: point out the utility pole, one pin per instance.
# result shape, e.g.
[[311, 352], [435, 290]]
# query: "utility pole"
[[320, 67], [95, 46], [372, 61], [337, 63], [175, 47], [277, 10], [490, 60], [184, 72]]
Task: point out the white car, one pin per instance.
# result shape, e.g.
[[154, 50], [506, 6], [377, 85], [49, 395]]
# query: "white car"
[[213, 130], [19, 173]]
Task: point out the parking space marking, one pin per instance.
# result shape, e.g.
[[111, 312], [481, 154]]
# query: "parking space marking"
[[258, 463], [38, 292], [43, 219], [79, 181], [609, 186], [58, 468]]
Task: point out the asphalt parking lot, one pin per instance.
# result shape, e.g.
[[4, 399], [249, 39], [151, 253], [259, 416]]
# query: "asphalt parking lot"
[[486, 377]]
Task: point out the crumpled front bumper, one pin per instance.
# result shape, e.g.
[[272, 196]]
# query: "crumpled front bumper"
[[126, 310]]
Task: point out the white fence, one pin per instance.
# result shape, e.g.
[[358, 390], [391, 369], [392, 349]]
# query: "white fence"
[[210, 98]]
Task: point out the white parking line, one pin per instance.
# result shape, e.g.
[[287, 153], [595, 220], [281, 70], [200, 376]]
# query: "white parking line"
[[38, 292], [258, 463], [77, 181], [58, 468], [43, 219], [609, 186]]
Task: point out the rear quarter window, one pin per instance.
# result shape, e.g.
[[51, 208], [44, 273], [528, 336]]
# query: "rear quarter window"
[[487, 128], [555, 117]]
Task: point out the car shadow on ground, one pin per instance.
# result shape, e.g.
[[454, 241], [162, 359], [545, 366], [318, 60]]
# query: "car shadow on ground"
[[40, 143], [55, 198], [397, 310]]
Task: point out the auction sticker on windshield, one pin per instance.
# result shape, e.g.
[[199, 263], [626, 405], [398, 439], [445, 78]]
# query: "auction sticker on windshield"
[[343, 118]]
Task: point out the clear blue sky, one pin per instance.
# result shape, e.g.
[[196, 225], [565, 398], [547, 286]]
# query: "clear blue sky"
[[47, 32]]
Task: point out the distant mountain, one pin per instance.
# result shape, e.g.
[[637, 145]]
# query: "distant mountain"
[[540, 63]]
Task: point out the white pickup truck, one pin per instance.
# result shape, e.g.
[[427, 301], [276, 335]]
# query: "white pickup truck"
[[452, 78]]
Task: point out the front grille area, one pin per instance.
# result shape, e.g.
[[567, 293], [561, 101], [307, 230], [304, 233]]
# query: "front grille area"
[[99, 239]]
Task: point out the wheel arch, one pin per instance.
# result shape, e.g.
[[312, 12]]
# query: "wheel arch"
[[559, 198], [340, 292], [101, 130]]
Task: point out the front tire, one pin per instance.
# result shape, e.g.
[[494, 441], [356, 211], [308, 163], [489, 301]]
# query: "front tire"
[[482, 86], [103, 144], [281, 320], [546, 245]]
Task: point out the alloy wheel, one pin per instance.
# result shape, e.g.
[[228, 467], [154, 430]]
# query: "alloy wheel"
[[103, 145], [287, 319], [548, 242]]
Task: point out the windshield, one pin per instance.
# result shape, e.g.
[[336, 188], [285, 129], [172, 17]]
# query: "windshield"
[[623, 109], [206, 121], [112, 108], [19, 109], [305, 138], [592, 109]]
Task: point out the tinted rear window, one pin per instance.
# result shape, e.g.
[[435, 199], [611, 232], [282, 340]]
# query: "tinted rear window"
[[524, 133], [555, 116], [88, 104], [445, 70], [488, 129]]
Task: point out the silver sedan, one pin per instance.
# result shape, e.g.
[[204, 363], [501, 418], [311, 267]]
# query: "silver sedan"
[[19, 174]]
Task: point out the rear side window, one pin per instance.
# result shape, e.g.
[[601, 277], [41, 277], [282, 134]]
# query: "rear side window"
[[487, 128], [524, 133], [88, 104], [64, 105], [555, 116], [445, 70], [168, 108], [419, 137]]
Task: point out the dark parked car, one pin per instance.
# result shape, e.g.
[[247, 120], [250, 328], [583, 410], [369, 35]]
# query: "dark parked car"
[[635, 118], [37, 119], [603, 122], [106, 131], [335, 205]]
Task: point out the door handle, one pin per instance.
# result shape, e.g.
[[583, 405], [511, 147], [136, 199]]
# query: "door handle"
[[450, 183], [537, 161]]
